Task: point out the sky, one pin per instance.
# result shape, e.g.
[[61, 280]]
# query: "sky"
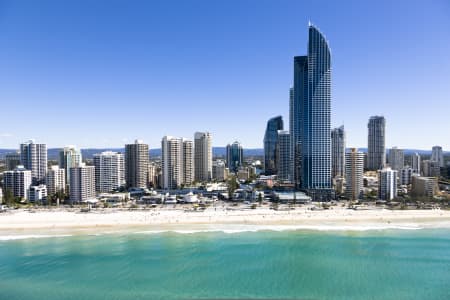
[[103, 73]]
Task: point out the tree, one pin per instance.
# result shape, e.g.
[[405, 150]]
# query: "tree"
[[9, 198], [232, 186], [260, 198]]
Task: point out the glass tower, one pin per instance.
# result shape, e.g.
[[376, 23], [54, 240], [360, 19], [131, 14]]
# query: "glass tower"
[[235, 156], [270, 144], [312, 113]]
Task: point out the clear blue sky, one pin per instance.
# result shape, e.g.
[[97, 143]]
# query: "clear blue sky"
[[102, 73]]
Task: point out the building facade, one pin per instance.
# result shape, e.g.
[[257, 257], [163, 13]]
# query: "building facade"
[[188, 162], [415, 163], [387, 184], [202, 156], [34, 158], [109, 171], [396, 158], [270, 145], [69, 157], [376, 148], [220, 171], [424, 187], [354, 170], [82, 183], [284, 155], [56, 180], [136, 164], [37, 194], [12, 160], [437, 155], [235, 156], [18, 181], [172, 162], [338, 152]]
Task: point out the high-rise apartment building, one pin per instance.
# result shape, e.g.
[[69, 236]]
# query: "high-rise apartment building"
[[109, 171], [56, 180], [34, 158], [430, 168], [172, 162], [311, 110], [12, 160], [270, 146], [338, 152], [284, 155], [136, 164], [220, 171], [405, 175], [376, 148], [235, 156], [387, 184], [69, 157], [396, 158], [415, 163], [82, 183], [188, 162], [424, 187], [202, 156], [18, 181], [354, 170], [437, 155]]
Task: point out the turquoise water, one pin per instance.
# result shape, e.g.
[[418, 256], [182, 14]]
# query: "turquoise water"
[[251, 265]]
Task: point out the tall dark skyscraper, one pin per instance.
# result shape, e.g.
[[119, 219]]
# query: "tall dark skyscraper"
[[235, 156], [311, 110], [270, 145], [376, 148]]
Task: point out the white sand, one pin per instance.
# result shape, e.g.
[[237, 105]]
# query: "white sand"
[[337, 218]]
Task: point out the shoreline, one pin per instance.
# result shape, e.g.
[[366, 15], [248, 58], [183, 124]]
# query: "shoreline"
[[54, 222]]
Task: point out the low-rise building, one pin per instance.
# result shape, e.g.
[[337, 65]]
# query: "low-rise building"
[[424, 187], [37, 193]]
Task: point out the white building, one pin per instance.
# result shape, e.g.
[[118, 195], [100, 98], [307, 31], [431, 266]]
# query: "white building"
[[34, 158], [430, 168], [203, 156], [37, 193], [1, 195], [18, 181], [56, 180], [220, 171], [396, 158], [354, 171], [415, 163], [69, 157], [109, 171], [387, 184], [438, 155], [82, 183]]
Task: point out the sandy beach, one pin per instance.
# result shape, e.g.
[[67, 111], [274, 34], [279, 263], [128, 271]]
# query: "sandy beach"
[[218, 218]]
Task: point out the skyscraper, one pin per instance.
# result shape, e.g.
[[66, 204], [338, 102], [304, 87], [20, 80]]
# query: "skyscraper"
[[437, 155], [376, 149], [312, 113], [235, 156], [56, 180], [69, 157], [284, 155], [396, 158], [172, 162], [109, 171], [82, 183], [17, 181], [12, 160], [270, 145], [415, 162], [338, 152], [354, 169], [202, 156], [136, 164], [387, 184], [34, 158], [188, 162]]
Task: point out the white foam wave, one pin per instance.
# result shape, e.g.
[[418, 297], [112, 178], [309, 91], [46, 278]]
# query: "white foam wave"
[[30, 236]]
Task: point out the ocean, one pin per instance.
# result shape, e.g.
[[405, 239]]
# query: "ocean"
[[292, 264]]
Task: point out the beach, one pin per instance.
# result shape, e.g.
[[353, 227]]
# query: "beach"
[[220, 218]]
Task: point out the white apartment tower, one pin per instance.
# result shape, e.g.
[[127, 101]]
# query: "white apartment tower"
[[415, 162], [69, 157], [354, 169], [387, 184], [203, 156], [34, 158], [18, 181], [56, 180], [396, 158], [188, 162], [82, 183], [109, 171]]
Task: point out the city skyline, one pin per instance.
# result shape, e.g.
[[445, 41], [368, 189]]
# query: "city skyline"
[[114, 66]]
